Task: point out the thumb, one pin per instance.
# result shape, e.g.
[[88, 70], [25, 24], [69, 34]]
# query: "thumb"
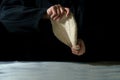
[[67, 11]]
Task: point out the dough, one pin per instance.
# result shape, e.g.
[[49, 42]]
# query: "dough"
[[66, 30]]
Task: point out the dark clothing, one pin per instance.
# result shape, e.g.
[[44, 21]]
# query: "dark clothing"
[[26, 16], [18, 16]]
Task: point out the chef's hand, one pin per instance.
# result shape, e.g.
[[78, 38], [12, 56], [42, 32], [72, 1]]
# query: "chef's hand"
[[79, 49], [56, 12]]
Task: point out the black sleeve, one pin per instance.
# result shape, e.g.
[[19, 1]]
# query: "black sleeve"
[[17, 17], [79, 11]]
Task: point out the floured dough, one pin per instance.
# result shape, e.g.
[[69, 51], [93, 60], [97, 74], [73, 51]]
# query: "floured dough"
[[66, 30]]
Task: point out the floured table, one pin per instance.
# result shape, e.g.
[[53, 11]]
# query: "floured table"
[[58, 71]]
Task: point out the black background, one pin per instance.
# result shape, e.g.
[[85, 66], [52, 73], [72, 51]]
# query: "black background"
[[94, 39]]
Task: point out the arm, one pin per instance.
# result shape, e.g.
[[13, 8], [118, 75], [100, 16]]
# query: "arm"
[[16, 16]]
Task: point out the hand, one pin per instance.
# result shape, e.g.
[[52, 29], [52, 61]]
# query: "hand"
[[79, 49], [56, 12]]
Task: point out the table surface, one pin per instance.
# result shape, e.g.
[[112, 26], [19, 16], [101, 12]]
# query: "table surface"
[[59, 71]]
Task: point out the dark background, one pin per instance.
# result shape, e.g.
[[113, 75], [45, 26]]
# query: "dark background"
[[94, 39]]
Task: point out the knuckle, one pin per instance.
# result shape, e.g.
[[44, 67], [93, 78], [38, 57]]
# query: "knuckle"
[[54, 14]]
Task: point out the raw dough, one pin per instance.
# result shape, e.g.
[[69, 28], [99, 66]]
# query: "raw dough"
[[66, 30]]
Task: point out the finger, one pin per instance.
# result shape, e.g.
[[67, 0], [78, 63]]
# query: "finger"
[[49, 12], [76, 48], [61, 9], [80, 51], [54, 12], [57, 18], [76, 53], [67, 11], [58, 9], [60, 12], [82, 46]]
